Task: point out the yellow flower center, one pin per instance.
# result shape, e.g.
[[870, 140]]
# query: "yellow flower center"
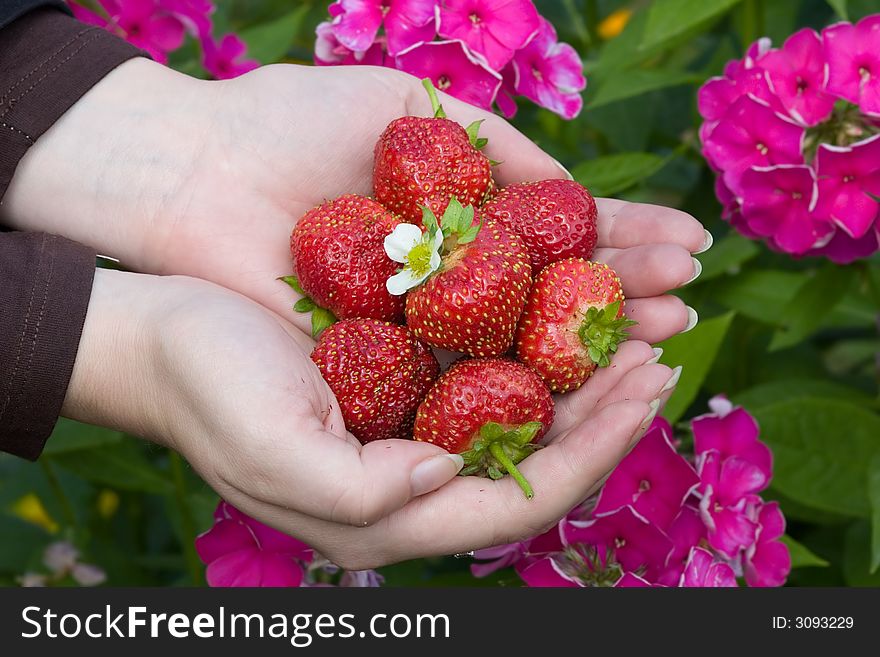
[[419, 259]]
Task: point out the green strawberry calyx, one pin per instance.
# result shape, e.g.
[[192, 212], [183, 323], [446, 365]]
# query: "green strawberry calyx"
[[497, 451], [472, 130], [456, 224], [601, 331], [321, 317]]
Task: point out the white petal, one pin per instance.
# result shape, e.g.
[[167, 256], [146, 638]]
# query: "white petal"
[[401, 241], [435, 262], [403, 281], [438, 240]]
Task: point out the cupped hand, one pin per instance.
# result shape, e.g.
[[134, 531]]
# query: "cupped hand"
[[177, 176], [230, 385]]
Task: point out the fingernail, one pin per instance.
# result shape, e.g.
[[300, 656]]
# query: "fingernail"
[[658, 351], [567, 173], [698, 269], [693, 318], [433, 472], [673, 380], [643, 427], [707, 243]]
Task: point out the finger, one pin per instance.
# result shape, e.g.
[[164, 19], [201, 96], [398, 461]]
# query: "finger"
[[650, 269], [649, 381], [521, 159], [316, 473], [492, 513], [658, 318], [573, 407], [472, 512], [623, 225]]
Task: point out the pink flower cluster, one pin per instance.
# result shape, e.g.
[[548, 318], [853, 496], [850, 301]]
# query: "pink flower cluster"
[[662, 520], [159, 27], [241, 551], [794, 136], [484, 52]]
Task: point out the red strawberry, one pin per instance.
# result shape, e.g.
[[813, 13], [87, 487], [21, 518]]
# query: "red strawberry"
[[426, 161], [572, 323], [340, 261], [555, 218], [492, 411], [473, 302], [379, 373]]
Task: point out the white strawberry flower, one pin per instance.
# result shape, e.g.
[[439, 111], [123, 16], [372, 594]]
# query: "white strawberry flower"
[[418, 252]]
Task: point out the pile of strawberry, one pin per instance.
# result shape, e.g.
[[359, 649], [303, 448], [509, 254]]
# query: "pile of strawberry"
[[443, 259]]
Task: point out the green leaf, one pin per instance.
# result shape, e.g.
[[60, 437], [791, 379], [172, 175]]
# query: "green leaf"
[[726, 256], [801, 556], [668, 19], [321, 319], [304, 305], [270, 42], [846, 356], [695, 351], [70, 436], [639, 81], [857, 556], [815, 299], [611, 174], [765, 394], [293, 282], [839, 7], [874, 500], [822, 449], [122, 466], [762, 294], [473, 132]]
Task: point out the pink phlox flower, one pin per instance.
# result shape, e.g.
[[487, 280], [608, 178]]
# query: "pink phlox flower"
[[241, 551], [225, 58], [798, 74], [329, 51], [634, 543], [654, 479], [849, 184], [550, 73], [752, 134], [767, 561], [356, 23], [454, 69], [704, 570], [853, 54], [494, 29], [687, 530]]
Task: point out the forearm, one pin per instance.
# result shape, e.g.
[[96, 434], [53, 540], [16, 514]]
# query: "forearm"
[[102, 174]]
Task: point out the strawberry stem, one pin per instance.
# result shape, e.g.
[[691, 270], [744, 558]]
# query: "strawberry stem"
[[497, 450], [435, 101], [602, 330]]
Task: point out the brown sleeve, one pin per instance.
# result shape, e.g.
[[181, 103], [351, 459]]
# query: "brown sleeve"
[[48, 61], [45, 283]]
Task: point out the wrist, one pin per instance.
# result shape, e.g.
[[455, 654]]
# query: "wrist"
[[115, 379], [105, 172]]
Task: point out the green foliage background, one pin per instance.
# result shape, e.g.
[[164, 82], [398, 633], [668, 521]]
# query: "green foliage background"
[[794, 341]]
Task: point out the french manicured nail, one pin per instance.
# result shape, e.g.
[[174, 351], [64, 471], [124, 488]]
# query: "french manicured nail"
[[567, 173], [698, 269], [658, 351], [693, 318], [643, 427], [433, 472], [707, 243], [673, 380]]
